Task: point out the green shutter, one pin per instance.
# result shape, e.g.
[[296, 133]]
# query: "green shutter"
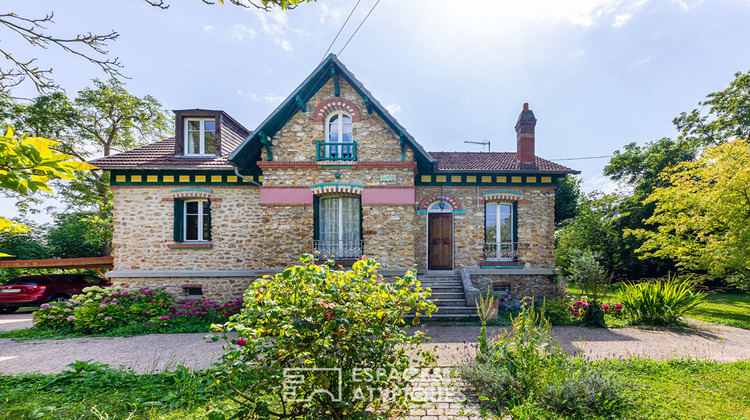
[[361, 234], [208, 217], [179, 220], [316, 216], [515, 222]]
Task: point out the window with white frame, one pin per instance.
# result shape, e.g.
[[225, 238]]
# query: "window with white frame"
[[200, 136], [498, 231], [196, 220], [339, 227], [339, 130]]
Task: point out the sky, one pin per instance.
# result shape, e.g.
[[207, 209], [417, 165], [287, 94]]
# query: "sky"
[[598, 74]]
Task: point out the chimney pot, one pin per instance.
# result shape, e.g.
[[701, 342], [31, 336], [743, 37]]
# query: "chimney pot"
[[525, 136]]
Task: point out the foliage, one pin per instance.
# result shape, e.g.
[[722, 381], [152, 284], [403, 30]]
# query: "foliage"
[[311, 316], [660, 302], [99, 310], [586, 271], [75, 236], [27, 164], [27, 245], [701, 216], [522, 372], [567, 197], [728, 116]]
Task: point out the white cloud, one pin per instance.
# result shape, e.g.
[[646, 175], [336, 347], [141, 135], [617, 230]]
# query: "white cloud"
[[578, 54], [241, 32], [686, 5], [208, 28], [331, 14], [285, 45], [393, 108], [273, 99], [621, 19], [268, 97]]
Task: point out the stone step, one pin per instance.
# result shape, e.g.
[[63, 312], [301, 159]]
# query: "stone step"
[[446, 289], [444, 296], [448, 302], [439, 316], [457, 310]]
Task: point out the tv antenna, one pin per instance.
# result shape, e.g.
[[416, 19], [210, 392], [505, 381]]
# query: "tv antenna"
[[483, 143]]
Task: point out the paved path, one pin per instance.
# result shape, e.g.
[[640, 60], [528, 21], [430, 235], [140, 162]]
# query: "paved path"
[[157, 352]]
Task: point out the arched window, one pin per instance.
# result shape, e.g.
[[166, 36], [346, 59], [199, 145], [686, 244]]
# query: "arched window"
[[440, 207], [339, 130], [499, 231]]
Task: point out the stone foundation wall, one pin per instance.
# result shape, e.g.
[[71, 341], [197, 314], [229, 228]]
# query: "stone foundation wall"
[[538, 286], [287, 234], [217, 289], [143, 222], [536, 228]]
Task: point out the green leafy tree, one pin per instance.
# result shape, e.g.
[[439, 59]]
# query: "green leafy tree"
[[566, 199], [727, 119], [702, 214], [76, 235], [28, 164]]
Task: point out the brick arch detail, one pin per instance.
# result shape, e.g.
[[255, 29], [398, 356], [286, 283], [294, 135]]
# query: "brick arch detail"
[[447, 197], [329, 106]]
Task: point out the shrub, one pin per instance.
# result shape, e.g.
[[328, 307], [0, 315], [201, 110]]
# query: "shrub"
[[587, 390], [660, 302], [312, 317]]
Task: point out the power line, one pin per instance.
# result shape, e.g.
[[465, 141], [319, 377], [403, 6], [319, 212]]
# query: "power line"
[[360, 25], [342, 28], [584, 158]]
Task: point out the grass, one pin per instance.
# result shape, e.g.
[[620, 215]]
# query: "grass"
[[610, 297], [731, 309]]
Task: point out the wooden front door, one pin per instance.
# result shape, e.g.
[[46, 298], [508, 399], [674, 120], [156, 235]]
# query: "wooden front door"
[[440, 242]]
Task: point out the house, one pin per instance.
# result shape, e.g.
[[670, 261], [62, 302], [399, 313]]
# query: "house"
[[206, 212]]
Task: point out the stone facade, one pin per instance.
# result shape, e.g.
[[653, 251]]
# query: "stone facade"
[[218, 289], [536, 211], [538, 286], [297, 140]]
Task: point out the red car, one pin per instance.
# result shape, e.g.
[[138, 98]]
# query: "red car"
[[36, 290]]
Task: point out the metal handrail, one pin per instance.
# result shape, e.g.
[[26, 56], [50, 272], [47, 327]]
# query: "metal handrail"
[[336, 249], [337, 151], [500, 251]]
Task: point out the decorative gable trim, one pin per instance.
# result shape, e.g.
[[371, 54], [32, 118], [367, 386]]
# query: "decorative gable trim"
[[336, 188], [501, 196], [191, 193], [447, 197], [329, 106]]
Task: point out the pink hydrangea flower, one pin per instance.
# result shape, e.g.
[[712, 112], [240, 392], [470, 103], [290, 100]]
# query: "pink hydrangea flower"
[[70, 318], [67, 310], [576, 313], [103, 305], [100, 315], [59, 316], [618, 305], [241, 342], [107, 318], [605, 307]]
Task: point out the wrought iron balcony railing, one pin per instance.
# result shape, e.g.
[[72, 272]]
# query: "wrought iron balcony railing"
[[337, 151], [500, 251], [338, 250]]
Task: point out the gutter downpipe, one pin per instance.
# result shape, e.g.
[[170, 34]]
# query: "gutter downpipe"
[[237, 171]]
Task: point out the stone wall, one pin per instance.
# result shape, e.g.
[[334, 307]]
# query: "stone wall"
[[297, 140], [536, 227], [306, 176], [217, 289], [143, 220], [538, 286], [388, 235]]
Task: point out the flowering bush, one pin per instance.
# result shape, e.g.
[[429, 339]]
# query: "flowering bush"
[[578, 309], [99, 309], [313, 317]]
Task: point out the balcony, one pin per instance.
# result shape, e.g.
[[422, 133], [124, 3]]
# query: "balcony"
[[500, 253], [340, 251], [337, 151]]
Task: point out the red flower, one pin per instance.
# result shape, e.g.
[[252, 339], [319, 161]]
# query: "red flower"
[[241, 342]]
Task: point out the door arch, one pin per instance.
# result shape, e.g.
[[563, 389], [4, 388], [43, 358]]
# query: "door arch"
[[440, 236]]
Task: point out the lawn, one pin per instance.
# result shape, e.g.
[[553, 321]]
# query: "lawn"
[[732, 309]]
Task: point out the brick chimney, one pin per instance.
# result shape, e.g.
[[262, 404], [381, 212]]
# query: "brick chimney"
[[525, 135]]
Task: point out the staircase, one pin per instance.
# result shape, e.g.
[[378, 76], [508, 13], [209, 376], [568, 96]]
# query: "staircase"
[[447, 294]]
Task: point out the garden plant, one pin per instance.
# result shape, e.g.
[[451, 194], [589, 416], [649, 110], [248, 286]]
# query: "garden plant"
[[330, 327], [660, 302]]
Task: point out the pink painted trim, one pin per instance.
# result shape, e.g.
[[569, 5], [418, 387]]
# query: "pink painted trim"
[[286, 195], [392, 195]]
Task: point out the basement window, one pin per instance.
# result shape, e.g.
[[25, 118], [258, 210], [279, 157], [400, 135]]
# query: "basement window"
[[501, 287], [193, 291]]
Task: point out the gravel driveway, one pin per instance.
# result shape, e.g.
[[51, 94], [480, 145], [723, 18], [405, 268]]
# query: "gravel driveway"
[[153, 353]]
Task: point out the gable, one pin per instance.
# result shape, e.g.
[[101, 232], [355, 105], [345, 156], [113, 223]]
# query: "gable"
[[334, 76]]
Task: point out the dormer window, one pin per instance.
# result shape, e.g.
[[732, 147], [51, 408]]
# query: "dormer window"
[[200, 136]]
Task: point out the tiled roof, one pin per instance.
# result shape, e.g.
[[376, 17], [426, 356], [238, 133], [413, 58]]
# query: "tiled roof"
[[160, 155], [492, 161]]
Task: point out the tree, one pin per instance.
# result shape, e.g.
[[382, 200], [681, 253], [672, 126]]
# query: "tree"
[[74, 235], [89, 47], [28, 164], [728, 116], [566, 199], [702, 214]]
